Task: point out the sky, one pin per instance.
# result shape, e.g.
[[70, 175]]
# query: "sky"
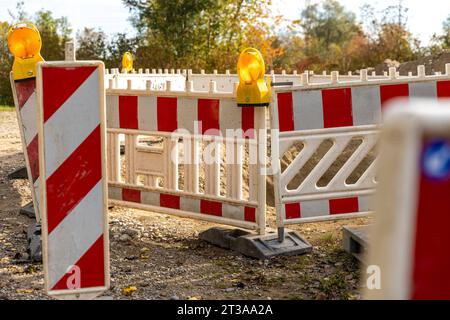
[[425, 17]]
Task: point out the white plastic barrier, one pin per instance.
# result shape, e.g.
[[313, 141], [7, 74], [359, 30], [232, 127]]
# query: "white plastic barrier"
[[333, 129], [166, 132], [408, 252]]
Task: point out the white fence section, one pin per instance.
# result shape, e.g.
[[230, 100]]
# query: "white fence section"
[[324, 143], [185, 154]]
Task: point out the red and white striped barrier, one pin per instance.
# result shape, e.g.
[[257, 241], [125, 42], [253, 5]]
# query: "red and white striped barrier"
[[408, 252], [72, 157], [189, 125], [325, 120], [24, 93], [345, 106]]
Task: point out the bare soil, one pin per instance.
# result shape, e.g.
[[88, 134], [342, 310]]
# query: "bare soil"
[[162, 257]]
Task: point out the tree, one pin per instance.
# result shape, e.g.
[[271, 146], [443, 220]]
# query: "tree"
[[388, 35], [116, 48], [91, 45], [329, 31], [442, 41], [5, 66], [55, 32], [200, 33], [446, 34]]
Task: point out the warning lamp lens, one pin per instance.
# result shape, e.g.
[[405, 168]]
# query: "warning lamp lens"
[[250, 66], [24, 42], [127, 62]]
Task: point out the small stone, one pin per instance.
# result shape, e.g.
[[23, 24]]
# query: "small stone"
[[240, 285], [229, 289], [174, 297], [132, 233], [124, 238]]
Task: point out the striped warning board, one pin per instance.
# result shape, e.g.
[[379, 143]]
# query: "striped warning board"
[[72, 156], [411, 238], [24, 92], [348, 106], [169, 114]]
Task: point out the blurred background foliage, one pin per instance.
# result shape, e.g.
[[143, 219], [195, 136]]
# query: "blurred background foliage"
[[209, 34]]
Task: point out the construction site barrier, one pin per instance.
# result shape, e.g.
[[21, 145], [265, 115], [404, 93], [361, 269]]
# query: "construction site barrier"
[[408, 256], [325, 135], [24, 93], [204, 135], [72, 158]]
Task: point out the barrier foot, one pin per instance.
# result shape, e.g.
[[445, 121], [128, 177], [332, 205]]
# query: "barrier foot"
[[355, 240], [19, 174], [28, 210], [34, 242], [281, 235], [257, 246]]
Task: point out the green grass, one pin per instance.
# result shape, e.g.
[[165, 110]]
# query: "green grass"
[[6, 108]]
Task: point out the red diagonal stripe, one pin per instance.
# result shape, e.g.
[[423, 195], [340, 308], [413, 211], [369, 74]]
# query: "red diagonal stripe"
[[128, 112], [24, 90], [250, 214], [337, 108], [443, 89], [293, 211], [33, 158], [248, 122], [92, 268], [131, 195], [286, 111], [167, 114], [344, 206], [73, 180], [169, 201], [59, 84], [209, 114], [389, 92], [212, 208]]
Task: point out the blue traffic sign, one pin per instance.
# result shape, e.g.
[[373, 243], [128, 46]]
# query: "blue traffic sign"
[[436, 159]]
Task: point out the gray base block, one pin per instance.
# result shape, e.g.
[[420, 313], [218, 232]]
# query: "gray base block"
[[34, 243], [19, 174], [28, 211], [256, 246], [355, 241]]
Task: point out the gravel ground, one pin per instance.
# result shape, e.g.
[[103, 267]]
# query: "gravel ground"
[[156, 256]]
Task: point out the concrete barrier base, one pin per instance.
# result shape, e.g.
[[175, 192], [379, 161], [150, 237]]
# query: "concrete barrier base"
[[18, 174], [28, 210], [257, 246], [355, 241]]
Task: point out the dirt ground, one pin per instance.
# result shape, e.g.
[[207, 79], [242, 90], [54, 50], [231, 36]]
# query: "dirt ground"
[[162, 257]]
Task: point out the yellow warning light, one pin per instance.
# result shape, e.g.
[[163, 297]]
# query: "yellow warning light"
[[127, 62], [24, 42], [252, 90]]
